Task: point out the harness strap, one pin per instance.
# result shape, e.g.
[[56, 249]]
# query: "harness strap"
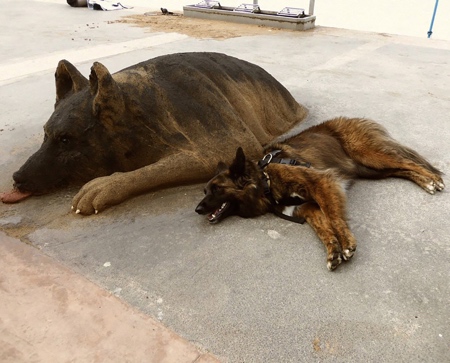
[[292, 162], [270, 158], [289, 218], [266, 181]]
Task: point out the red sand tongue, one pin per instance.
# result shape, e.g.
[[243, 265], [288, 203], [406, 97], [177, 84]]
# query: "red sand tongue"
[[14, 196]]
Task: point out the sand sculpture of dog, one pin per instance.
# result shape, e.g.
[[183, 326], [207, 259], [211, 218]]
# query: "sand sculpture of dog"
[[306, 176], [163, 122]]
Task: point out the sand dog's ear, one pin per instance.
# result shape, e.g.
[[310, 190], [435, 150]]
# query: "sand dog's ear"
[[68, 80], [108, 101], [237, 168]]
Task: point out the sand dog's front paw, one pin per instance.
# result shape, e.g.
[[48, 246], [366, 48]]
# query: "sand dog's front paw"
[[100, 193]]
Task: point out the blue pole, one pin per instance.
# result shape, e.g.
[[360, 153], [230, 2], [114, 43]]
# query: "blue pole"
[[432, 19]]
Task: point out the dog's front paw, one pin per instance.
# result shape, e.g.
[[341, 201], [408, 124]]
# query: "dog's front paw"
[[101, 193], [348, 253], [333, 260], [334, 257]]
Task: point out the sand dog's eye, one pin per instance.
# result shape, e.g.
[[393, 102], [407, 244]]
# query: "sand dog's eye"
[[64, 140]]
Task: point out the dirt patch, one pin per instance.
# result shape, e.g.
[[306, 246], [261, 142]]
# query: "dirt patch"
[[197, 28], [20, 231]]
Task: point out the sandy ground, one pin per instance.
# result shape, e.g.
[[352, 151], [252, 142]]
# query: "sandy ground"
[[197, 28]]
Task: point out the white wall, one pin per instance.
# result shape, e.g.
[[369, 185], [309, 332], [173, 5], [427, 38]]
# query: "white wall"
[[406, 17]]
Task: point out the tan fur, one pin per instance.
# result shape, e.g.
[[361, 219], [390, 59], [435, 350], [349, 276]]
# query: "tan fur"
[[324, 208]]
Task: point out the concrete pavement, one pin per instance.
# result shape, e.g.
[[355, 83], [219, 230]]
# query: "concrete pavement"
[[51, 314], [245, 290]]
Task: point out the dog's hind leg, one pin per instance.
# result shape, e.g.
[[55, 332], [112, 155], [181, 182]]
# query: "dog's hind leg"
[[321, 225], [377, 155], [397, 164], [429, 183]]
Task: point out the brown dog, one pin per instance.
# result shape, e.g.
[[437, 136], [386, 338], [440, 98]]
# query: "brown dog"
[[321, 163]]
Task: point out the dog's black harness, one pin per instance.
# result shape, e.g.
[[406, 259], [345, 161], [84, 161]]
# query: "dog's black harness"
[[290, 201], [271, 158]]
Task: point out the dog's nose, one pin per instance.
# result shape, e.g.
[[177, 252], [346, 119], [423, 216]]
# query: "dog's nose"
[[200, 209], [19, 179]]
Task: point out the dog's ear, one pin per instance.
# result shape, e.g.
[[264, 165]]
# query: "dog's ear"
[[221, 167], [237, 168], [108, 103], [68, 80]]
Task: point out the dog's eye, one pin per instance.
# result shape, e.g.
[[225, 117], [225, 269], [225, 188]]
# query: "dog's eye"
[[64, 140], [219, 190]]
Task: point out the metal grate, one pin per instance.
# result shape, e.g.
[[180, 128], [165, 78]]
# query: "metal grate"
[[208, 4], [292, 12], [248, 8]]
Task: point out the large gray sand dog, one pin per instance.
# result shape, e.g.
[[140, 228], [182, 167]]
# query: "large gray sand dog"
[[163, 122]]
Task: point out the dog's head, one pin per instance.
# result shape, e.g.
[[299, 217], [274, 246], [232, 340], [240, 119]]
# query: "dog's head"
[[234, 190], [79, 138]]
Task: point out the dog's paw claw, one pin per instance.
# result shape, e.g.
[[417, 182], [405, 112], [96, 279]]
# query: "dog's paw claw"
[[430, 187], [334, 261], [434, 186], [440, 186], [348, 253]]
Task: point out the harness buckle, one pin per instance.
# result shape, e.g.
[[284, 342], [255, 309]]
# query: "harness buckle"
[[268, 158]]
